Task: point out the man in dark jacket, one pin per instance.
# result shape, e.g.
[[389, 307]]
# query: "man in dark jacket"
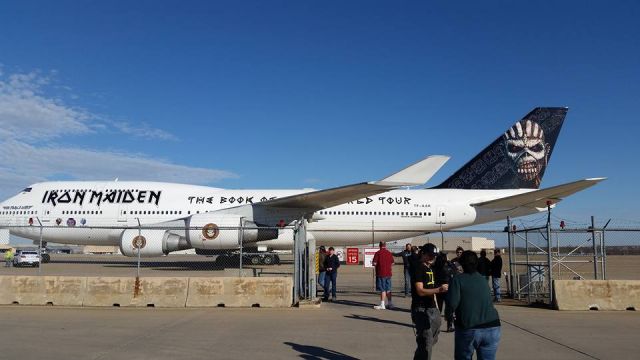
[[322, 256], [496, 273], [477, 321], [406, 261], [484, 265], [331, 265]]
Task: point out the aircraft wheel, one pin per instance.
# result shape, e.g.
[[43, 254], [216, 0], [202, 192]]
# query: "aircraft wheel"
[[268, 260]]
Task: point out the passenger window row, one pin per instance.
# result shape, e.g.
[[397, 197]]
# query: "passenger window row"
[[376, 213]]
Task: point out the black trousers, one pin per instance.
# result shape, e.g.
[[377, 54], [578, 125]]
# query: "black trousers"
[[427, 323]]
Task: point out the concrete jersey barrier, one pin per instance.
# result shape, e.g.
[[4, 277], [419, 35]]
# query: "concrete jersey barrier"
[[597, 294], [174, 292]]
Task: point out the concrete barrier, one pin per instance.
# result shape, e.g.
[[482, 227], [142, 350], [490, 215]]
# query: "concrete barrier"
[[64, 290], [240, 292], [597, 294], [23, 290], [150, 291]]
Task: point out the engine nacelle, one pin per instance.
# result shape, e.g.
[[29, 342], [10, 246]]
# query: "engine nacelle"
[[152, 242], [209, 231]]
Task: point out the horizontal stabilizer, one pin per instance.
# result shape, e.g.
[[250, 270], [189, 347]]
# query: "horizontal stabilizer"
[[416, 174], [538, 198]]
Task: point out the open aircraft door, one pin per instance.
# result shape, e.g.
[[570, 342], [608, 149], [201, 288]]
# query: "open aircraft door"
[[441, 216]]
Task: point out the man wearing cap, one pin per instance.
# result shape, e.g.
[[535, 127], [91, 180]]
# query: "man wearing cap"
[[424, 311], [383, 262]]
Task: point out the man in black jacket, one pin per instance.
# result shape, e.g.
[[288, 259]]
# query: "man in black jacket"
[[496, 273], [484, 266], [331, 265]]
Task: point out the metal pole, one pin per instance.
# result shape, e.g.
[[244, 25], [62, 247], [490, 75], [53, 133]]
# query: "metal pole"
[[40, 249], [241, 240], [526, 247], [549, 258], [604, 258], [595, 248], [511, 259], [138, 247], [311, 266]]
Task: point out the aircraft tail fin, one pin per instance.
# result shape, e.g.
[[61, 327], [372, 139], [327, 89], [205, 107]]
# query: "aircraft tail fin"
[[515, 160]]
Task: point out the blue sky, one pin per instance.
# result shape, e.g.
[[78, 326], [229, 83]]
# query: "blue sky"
[[291, 94]]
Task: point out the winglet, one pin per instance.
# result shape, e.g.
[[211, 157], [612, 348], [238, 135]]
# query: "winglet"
[[416, 174]]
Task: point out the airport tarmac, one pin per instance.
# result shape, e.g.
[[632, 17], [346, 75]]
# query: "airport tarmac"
[[347, 329]]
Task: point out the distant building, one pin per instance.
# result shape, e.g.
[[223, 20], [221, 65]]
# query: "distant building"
[[96, 249], [448, 244]]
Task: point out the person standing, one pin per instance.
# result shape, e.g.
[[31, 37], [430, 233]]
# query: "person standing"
[[322, 255], [406, 262], [8, 258], [424, 311], [383, 262], [455, 262], [331, 265], [484, 266], [477, 321], [443, 272], [496, 274]]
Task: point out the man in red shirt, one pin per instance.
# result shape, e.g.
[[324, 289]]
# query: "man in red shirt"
[[383, 262]]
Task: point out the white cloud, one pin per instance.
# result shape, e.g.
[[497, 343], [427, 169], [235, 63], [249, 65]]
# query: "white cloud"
[[26, 114], [143, 131], [23, 164], [31, 118], [29, 112]]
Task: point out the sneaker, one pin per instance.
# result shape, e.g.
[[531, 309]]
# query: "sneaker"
[[333, 299], [390, 306], [379, 307]]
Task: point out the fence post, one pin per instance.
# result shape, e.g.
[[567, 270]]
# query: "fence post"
[[595, 248], [241, 240], [40, 249], [311, 267], [511, 259], [299, 241], [549, 258]]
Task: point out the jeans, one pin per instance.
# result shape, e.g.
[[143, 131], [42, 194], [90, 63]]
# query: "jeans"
[[496, 287], [321, 278], [427, 324], [330, 278], [7, 263], [483, 341], [407, 281]]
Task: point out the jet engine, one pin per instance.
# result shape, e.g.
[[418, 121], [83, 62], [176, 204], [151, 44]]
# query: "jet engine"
[[151, 242], [209, 231]]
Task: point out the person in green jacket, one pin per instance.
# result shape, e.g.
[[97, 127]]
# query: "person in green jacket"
[[8, 258], [477, 321]]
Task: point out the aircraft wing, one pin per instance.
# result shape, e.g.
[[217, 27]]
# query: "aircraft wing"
[[538, 198], [416, 174]]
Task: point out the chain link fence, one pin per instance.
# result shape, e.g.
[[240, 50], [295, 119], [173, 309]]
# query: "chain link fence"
[[150, 251], [581, 252]]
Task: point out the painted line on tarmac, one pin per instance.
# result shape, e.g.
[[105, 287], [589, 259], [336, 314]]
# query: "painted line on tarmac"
[[549, 339]]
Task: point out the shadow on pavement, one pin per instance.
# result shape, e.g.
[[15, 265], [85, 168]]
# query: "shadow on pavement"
[[317, 353], [366, 305], [371, 318]]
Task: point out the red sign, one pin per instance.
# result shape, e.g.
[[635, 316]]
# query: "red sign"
[[352, 256]]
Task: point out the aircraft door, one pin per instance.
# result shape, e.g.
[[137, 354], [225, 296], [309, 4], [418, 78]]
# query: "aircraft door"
[[441, 216]]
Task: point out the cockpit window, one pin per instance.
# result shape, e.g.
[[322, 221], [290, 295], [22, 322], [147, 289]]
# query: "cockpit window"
[[27, 190]]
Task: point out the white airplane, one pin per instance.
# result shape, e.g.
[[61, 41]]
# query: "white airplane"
[[502, 180]]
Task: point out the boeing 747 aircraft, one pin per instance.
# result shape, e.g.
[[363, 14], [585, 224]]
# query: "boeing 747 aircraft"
[[502, 180]]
